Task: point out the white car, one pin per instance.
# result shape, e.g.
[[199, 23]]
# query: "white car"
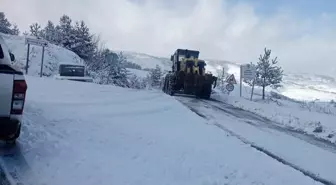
[[13, 89]]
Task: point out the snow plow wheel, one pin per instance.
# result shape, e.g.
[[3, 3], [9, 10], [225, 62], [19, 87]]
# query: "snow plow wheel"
[[164, 88], [206, 92], [170, 86]]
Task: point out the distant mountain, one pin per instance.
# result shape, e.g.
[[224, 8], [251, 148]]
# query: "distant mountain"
[[147, 61]]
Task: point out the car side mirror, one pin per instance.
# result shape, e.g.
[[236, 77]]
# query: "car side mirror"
[[172, 58], [12, 57]]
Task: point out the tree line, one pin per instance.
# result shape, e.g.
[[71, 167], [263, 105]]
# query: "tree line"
[[104, 65]]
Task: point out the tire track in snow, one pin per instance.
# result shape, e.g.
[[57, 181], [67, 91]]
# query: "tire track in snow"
[[263, 122], [14, 166], [255, 146], [3, 177], [13, 161], [276, 157]]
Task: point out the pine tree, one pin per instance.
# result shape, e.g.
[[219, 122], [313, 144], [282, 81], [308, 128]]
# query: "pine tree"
[[49, 32], [15, 30], [155, 76], [267, 71], [5, 25], [35, 30], [121, 74], [83, 45], [66, 32]]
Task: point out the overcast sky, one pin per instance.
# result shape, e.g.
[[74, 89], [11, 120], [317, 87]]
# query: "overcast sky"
[[300, 32]]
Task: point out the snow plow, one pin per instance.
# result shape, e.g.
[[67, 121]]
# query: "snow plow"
[[188, 75]]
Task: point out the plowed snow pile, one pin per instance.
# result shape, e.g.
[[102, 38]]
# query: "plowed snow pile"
[[79, 133]]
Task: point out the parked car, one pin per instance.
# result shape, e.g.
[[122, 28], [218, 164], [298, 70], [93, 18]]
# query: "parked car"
[[13, 88], [74, 72]]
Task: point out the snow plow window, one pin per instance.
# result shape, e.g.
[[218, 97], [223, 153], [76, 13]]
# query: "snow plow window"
[[1, 53], [181, 57], [188, 53], [72, 70]]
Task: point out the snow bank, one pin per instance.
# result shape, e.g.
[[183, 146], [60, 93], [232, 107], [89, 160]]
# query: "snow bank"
[[53, 56], [84, 133]]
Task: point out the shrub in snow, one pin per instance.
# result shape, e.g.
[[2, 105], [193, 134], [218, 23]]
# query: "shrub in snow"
[[221, 83], [333, 103], [107, 68], [318, 129], [136, 82], [313, 106], [154, 79]]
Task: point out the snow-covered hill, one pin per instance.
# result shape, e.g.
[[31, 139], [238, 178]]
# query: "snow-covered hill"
[[53, 56], [147, 61]]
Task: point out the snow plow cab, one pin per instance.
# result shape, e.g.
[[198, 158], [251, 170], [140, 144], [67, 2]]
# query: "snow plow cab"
[[188, 75]]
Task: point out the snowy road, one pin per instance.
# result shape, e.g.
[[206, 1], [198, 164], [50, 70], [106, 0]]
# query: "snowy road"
[[313, 157], [79, 133]]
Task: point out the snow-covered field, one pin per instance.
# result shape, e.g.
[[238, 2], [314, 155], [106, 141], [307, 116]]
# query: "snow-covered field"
[[315, 118], [84, 133]]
